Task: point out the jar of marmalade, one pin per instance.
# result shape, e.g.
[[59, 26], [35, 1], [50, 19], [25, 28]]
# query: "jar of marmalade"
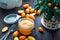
[[25, 26]]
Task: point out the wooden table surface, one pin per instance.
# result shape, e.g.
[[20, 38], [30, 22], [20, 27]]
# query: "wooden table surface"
[[46, 35]]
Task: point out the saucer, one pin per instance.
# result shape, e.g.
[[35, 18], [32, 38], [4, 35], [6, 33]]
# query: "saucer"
[[50, 28]]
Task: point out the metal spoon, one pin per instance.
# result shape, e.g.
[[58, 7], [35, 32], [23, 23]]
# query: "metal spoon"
[[12, 29]]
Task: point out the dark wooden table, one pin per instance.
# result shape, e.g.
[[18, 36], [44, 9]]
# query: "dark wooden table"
[[46, 35]]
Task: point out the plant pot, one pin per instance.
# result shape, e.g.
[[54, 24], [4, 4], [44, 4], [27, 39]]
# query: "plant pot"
[[9, 4], [52, 24]]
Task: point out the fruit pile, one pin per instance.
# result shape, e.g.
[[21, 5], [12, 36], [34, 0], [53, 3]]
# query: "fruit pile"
[[16, 33], [24, 38], [29, 12], [17, 37]]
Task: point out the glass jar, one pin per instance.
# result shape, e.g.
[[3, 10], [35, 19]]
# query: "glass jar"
[[25, 26]]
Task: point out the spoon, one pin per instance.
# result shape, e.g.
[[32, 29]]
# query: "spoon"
[[12, 29], [12, 18]]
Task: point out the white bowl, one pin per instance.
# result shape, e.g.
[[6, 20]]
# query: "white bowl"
[[50, 28]]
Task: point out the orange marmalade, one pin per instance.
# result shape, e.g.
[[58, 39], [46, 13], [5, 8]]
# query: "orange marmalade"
[[25, 26]]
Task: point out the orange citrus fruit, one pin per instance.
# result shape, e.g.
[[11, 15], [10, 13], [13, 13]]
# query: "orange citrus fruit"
[[40, 29], [25, 5], [27, 10], [38, 12], [15, 34], [27, 15], [55, 7], [20, 11], [49, 4], [32, 17], [23, 15], [22, 37], [32, 10]]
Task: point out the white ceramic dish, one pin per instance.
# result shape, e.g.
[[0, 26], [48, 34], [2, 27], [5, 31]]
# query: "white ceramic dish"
[[50, 28], [11, 18]]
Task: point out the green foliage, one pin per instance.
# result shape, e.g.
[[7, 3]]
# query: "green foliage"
[[52, 9]]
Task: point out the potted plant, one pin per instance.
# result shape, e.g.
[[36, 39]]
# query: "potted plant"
[[9, 4], [51, 13]]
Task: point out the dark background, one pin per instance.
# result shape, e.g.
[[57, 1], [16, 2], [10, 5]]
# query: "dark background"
[[46, 35]]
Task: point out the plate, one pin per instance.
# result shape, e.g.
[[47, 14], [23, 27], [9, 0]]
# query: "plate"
[[50, 28]]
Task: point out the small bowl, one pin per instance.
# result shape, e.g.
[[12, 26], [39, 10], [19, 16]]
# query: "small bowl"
[[11, 18]]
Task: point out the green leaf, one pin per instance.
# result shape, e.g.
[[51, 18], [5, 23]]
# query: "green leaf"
[[58, 10], [37, 8], [35, 5], [38, 0], [39, 4]]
